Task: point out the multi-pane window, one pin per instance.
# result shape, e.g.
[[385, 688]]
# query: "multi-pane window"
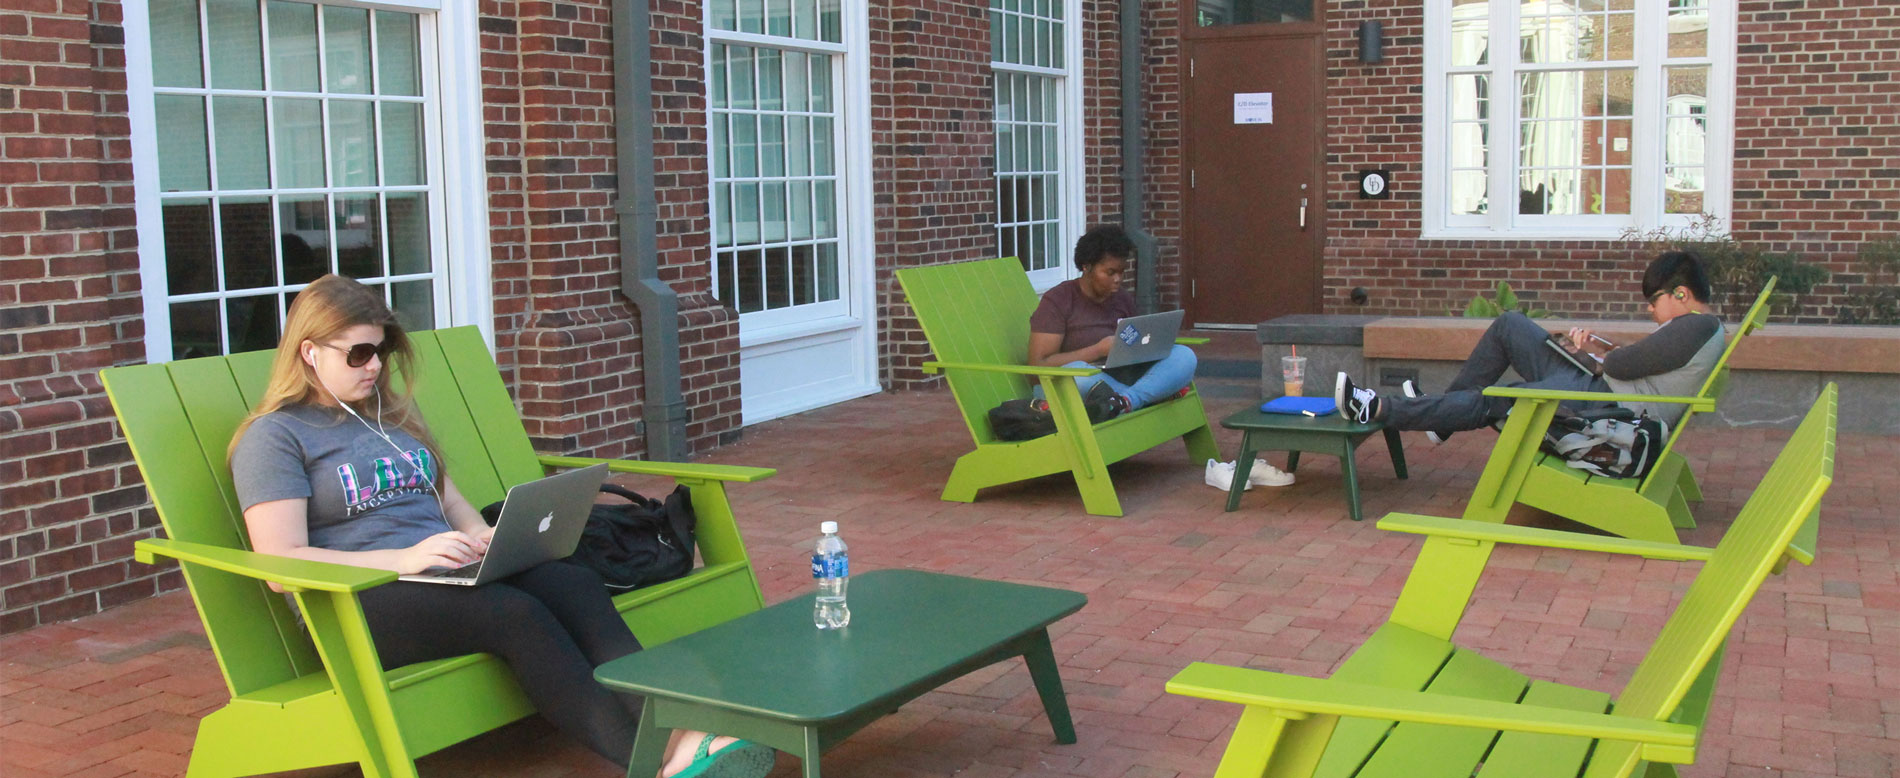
[[1586, 116], [775, 124], [1026, 51], [293, 142]]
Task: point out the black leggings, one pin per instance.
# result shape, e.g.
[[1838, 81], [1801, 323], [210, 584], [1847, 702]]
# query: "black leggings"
[[552, 624]]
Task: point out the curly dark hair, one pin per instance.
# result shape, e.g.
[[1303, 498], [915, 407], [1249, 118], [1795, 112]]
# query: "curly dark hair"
[[1100, 242]]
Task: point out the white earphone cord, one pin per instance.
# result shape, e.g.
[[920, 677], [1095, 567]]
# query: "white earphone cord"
[[383, 433]]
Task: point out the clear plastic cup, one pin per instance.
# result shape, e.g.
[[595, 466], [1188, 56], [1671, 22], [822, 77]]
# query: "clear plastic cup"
[[1293, 372]]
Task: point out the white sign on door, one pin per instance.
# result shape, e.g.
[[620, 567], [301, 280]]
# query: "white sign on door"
[[1253, 108]]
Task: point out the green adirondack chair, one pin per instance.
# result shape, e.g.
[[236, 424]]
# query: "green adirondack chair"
[[1650, 508], [976, 317], [316, 694], [1409, 702]]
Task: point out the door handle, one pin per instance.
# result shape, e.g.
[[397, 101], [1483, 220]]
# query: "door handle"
[[1302, 213]]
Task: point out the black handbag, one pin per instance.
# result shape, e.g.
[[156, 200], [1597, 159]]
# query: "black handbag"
[[640, 543], [1016, 420]]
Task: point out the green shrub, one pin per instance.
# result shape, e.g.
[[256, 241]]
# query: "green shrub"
[[1880, 304], [1737, 270], [1481, 307]]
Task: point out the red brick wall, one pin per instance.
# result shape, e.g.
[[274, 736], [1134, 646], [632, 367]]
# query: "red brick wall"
[[70, 498], [933, 148], [1817, 168], [561, 319], [1164, 160]]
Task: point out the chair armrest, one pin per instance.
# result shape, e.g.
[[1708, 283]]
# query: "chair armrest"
[[1439, 526], [1192, 341], [1078, 372], [292, 574], [1699, 404], [690, 470], [1293, 696]]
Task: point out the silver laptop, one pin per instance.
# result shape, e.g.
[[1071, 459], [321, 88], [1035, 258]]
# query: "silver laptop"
[[540, 521], [1146, 338]]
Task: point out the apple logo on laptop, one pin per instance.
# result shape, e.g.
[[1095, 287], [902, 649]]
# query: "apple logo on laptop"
[[546, 521], [1145, 339]]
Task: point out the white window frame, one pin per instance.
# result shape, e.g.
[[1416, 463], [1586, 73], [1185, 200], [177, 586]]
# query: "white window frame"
[[454, 153], [779, 323], [1072, 135], [1647, 132]]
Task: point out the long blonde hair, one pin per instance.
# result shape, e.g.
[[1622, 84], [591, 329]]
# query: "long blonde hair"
[[324, 309]]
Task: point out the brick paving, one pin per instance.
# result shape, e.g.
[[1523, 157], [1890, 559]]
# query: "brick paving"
[[1812, 686]]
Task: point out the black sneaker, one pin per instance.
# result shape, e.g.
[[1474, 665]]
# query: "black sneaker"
[[1103, 403], [1410, 388], [1355, 404]]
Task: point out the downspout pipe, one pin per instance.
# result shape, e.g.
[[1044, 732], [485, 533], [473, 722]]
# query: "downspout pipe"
[[664, 409], [1134, 200]]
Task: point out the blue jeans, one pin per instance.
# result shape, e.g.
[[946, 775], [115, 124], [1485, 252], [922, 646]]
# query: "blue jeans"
[[1152, 382]]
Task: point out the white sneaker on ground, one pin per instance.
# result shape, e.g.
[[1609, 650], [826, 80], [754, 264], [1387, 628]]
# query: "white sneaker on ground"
[[1263, 474], [1220, 475], [1410, 387]]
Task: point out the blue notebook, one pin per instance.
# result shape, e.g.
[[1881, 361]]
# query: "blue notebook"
[[1318, 406]]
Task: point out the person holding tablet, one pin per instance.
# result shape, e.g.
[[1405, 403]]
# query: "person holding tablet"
[[1674, 360]]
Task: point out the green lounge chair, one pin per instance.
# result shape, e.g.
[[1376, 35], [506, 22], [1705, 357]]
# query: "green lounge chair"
[[1409, 702], [1650, 508], [976, 317], [316, 694]]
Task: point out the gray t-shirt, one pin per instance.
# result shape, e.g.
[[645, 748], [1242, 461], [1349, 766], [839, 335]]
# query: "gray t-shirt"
[[365, 493]]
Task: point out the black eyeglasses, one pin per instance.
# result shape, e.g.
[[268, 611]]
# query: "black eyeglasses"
[[1657, 296], [359, 354]]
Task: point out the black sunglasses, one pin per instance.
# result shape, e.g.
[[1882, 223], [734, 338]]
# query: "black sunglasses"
[[359, 354]]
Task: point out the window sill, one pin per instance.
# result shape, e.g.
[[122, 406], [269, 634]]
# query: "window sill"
[[1522, 235]]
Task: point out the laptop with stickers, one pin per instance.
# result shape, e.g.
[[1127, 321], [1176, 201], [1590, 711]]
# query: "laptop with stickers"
[[1146, 338]]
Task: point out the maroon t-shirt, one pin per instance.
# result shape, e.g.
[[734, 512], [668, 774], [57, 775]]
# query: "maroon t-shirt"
[[1081, 321]]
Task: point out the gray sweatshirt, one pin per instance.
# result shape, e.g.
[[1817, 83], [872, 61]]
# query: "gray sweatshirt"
[[1674, 361]]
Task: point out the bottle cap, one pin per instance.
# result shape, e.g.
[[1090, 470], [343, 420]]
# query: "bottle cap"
[[828, 527]]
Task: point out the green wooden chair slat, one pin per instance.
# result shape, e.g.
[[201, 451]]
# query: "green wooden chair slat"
[[1650, 508], [1425, 750], [1392, 656], [1343, 727], [1533, 753], [312, 693], [976, 315]]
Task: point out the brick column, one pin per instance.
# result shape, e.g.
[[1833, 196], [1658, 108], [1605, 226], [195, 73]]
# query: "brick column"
[[71, 503]]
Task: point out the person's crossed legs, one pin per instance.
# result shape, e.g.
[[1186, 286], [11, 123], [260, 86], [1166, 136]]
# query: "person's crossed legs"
[[1161, 380]]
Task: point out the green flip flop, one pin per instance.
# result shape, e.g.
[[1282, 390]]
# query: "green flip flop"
[[742, 759]]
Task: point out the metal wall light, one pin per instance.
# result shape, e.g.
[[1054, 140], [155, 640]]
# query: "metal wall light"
[[1371, 42]]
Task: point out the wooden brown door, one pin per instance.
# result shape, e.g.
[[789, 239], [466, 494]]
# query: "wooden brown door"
[[1255, 211]]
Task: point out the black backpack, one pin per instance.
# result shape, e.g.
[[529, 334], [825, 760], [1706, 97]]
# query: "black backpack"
[[1017, 420], [641, 543]]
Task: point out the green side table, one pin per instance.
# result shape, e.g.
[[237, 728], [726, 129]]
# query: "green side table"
[[771, 677], [1330, 434]]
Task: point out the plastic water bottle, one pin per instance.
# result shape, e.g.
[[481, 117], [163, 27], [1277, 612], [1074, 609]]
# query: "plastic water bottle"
[[831, 567]]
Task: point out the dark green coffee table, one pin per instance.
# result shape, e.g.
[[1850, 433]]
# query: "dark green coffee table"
[[1329, 434], [773, 678]]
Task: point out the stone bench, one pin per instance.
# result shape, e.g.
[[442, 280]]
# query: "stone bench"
[[1776, 372]]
